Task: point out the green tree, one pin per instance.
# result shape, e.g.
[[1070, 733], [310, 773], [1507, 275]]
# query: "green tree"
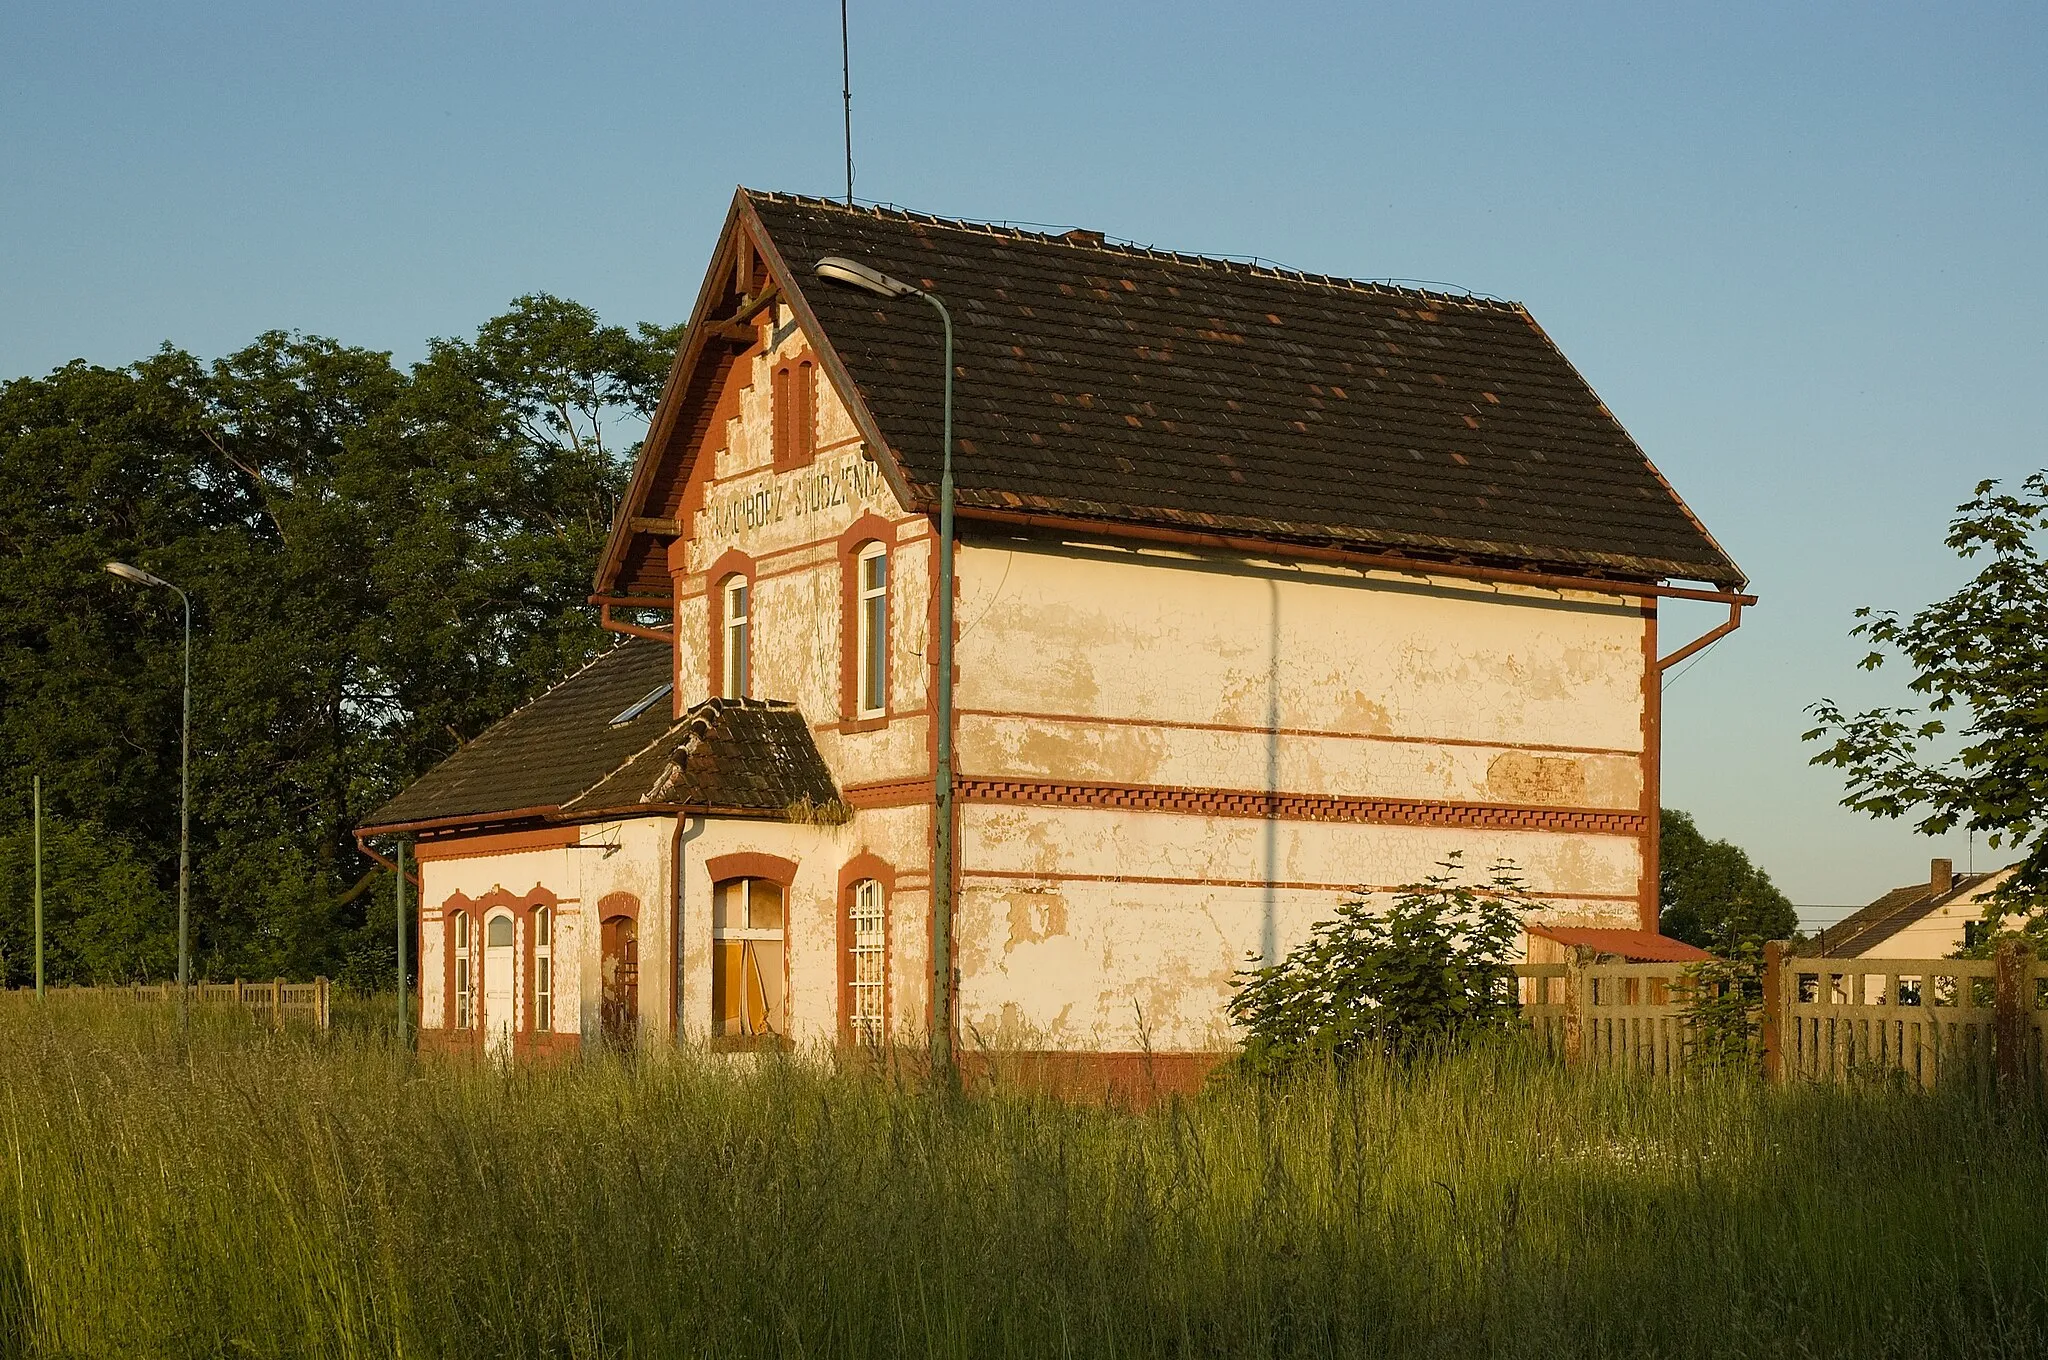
[[1710, 894], [382, 563], [1980, 658], [1437, 967]]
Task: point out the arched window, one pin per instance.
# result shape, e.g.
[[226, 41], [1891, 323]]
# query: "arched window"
[[871, 654], [465, 974], [736, 596], [796, 413], [867, 967], [747, 944], [543, 970]]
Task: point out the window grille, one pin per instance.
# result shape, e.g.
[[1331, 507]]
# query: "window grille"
[[737, 621], [747, 942], [870, 963], [873, 653], [543, 970], [464, 979]]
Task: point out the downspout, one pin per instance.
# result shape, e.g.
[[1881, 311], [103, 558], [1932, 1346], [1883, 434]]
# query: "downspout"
[[688, 828]]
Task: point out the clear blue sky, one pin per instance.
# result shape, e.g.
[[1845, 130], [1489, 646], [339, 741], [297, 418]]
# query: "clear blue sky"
[[1798, 249]]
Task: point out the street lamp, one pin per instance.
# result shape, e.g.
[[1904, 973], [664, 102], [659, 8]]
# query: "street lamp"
[[853, 274], [137, 576]]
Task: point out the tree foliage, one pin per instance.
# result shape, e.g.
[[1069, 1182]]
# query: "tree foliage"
[[382, 561], [1710, 894], [1980, 657], [1435, 968]]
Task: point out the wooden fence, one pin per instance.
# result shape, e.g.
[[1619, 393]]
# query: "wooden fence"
[[1976, 1021], [278, 1001]]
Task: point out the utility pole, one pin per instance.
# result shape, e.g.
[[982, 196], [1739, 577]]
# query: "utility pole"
[[38, 786]]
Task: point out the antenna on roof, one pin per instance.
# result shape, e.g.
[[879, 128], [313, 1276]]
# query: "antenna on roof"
[[846, 93]]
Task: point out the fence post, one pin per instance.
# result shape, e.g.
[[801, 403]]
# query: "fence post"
[[320, 1002], [277, 1002], [2009, 1016], [1774, 1011], [1574, 1004]]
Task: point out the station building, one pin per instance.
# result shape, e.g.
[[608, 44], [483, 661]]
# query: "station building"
[[1270, 586]]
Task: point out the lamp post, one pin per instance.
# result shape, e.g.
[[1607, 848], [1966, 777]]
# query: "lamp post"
[[137, 576], [853, 274]]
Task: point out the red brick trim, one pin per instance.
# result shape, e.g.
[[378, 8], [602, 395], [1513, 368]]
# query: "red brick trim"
[[889, 793], [863, 866], [869, 528], [732, 562], [1158, 880], [1255, 729], [426, 849], [1291, 807], [752, 864], [793, 421]]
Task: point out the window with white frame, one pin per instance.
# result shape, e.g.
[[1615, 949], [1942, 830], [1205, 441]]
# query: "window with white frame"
[[747, 941], [872, 607], [465, 975], [543, 970], [737, 594], [867, 969]]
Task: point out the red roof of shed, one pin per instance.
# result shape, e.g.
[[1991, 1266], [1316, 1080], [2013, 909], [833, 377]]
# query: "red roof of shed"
[[1637, 946]]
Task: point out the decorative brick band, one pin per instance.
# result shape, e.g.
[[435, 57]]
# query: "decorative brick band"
[[1286, 807], [1303, 807], [893, 793]]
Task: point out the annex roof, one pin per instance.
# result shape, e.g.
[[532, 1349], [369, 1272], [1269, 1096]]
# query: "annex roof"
[[566, 755], [1128, 386]]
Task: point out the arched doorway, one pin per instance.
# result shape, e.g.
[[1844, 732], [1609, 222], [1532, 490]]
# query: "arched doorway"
[[620, 1012], [498, 975]]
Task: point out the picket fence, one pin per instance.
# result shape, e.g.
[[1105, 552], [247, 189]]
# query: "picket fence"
[[1978, 1021], [278, 1001]]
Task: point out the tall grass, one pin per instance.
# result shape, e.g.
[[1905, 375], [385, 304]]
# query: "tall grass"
[[263, 1194]]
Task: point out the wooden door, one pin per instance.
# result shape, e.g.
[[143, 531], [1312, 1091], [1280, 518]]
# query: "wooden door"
[[621, 1008]]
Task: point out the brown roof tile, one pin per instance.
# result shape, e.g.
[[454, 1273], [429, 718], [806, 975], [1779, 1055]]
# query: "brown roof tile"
[[1126, 385], [562, 754]]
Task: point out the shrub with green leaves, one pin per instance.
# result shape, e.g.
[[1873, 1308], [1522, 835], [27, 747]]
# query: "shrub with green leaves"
[[1433, 970], [1724, 1011]]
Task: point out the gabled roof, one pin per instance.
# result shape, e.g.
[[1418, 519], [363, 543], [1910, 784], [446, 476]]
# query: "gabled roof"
[[563, 756], [1867, 927], [1127, 386]]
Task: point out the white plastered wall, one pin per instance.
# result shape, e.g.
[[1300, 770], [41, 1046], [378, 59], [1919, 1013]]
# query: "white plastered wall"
[[629, 857], [1110, 928]]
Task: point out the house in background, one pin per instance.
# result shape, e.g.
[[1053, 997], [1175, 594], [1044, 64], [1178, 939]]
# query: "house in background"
[[1930, 920], [1269, 586]]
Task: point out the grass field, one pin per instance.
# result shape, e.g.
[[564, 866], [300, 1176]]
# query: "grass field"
[[257, 1194]]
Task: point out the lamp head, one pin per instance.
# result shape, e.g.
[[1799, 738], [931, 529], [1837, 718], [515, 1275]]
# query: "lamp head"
[[853, 274], [135, 574]]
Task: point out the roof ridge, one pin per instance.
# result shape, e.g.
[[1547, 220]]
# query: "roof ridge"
[[1102, 243]]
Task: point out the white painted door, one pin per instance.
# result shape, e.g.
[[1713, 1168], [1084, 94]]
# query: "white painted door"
[[498, 986]]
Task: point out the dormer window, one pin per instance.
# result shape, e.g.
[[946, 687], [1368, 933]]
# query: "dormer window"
[[796, 412]]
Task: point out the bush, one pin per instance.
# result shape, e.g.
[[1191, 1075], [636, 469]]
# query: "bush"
[[1724, 1014], [1434, 970]]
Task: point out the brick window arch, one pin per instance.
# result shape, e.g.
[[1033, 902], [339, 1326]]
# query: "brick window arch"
[[867, 889], [750, 901], [867, 570], [731, 597]]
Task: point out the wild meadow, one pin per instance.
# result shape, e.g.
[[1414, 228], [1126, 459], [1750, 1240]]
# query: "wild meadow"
[[246, 1192]]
